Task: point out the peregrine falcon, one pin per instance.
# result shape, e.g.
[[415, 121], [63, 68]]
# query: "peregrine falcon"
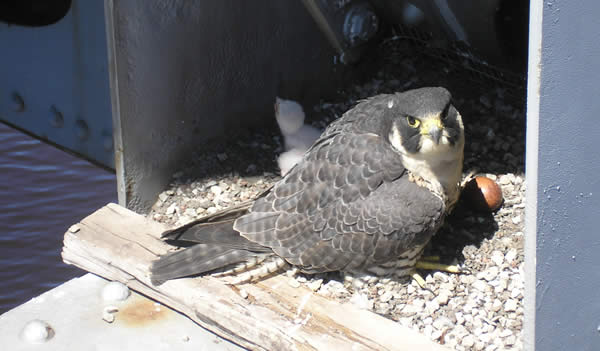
[[365, 199]]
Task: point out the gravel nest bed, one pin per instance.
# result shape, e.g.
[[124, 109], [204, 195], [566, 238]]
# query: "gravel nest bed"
[[478, 311]]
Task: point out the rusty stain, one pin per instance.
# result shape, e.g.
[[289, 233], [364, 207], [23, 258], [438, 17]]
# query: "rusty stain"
[[142, 311]]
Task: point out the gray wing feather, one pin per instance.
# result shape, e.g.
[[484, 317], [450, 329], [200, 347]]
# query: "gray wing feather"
[[348, 202]]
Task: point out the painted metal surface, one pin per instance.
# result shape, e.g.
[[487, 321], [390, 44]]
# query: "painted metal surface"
[[77, 316], [55, 84], [183, 72], [563, 163]]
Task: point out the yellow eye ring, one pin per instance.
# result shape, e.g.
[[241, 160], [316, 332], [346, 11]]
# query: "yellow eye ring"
[[413, 122]]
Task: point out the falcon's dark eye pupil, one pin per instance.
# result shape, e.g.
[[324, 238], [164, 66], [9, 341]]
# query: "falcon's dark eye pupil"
[[413, 122]]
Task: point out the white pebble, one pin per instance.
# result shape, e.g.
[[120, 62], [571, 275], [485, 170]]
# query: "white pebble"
[[315, 285], [443, 298], [489, 274], [496, 305], [37, 332], [497, 257], [516, 219], [243, 294], [480, 285], [468, 341], [436, 334], [294, 283], [432, 306], [171, 209], [387, 296], [511, 255], [115, 291], [361, 301], [515, 293], [510, 305], [215, 189]]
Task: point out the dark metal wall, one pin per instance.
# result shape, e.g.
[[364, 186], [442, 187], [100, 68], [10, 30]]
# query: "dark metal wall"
[[186, 71]]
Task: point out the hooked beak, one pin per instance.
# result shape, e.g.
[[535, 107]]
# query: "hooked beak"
[[433, 127]]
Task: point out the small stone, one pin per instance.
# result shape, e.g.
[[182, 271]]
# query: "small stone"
[[115, 291], [74, 228], [442, 297], [497, 257], [468, 341], [190, 212], [506, 332], [480, 285], [511, 255], [467, 279], [436, 334], [36, 332], [362, 301], [441, 323], [163, 197], [489, 274], [411, 309], [441, 277], [510, 305], [294, 283], [315, 285], [515, 293], [496, 305], [243, 294], [171, 209], [432, 306], [222, 157], [504, 179], [215, 189], [516, 219], [386, 296], [509, 341], [479, 345]]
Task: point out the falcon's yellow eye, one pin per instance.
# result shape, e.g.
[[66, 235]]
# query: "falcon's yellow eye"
[[413, 122]]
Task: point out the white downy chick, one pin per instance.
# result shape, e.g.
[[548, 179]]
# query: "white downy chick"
[[297, 136], [288, 159]]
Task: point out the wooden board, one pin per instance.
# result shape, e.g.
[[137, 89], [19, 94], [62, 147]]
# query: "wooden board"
[[119, 244]]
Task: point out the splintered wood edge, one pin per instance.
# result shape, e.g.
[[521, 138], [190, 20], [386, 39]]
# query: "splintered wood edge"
[[119, 244]]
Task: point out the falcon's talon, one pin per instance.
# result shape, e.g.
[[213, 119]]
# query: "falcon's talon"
[[470, 176], [420, 281], [433, 266]]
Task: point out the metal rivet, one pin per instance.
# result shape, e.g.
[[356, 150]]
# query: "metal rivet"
[[18, 102], [57, 119], [81, 130]]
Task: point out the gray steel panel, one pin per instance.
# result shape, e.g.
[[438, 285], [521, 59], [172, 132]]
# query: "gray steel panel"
[[183, 72], [563, 163], [54, 81]]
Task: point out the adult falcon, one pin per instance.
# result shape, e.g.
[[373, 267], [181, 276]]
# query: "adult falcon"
[[365, 199]]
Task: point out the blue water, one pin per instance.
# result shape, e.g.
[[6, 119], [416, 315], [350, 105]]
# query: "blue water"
[[43, 191]]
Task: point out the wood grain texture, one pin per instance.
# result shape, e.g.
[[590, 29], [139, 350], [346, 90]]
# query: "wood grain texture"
[[119, 244]]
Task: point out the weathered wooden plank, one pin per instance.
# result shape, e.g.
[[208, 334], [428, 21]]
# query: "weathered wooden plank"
[[119, 245]]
